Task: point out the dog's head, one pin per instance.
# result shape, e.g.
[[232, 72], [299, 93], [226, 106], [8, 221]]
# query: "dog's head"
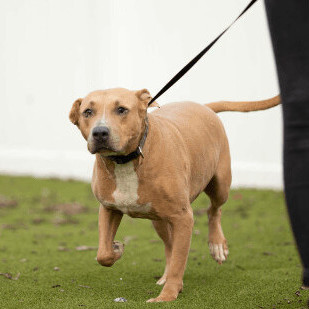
[[112, 121]]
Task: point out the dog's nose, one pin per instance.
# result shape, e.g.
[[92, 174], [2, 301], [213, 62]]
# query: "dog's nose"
[[100, 133]]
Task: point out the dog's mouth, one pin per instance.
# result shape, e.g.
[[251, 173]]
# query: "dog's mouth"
[[104, 150]]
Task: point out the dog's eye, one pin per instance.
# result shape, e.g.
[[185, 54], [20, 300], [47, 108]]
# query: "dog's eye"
[[88, 112], [122, 110]]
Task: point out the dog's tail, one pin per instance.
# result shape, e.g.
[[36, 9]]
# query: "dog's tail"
[[226, 106]]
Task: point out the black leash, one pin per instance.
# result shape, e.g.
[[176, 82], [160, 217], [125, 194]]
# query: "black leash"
[[185, 69], [133, 155]]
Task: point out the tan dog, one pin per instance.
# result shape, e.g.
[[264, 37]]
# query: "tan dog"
[[185, 151]]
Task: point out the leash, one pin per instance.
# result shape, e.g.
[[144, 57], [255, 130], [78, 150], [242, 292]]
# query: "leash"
[[133, 155], [187, 67]]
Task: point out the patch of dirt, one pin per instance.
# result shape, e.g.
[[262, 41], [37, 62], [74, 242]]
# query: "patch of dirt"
[[85, 248], [68, 209], [7, 203], [237, 196], [10, 276], [64, 221], [267, 253], [154, 241], [15, 226], [37, 221], [46, 197], [62, 248]]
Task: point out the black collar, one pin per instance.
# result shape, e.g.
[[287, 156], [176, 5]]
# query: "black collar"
[[133, 155]]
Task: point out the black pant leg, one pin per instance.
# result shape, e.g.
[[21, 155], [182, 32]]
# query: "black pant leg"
[[289, 27]]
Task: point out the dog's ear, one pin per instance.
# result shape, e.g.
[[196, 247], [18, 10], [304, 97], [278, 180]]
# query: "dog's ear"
[[144, 96], [74, 113]]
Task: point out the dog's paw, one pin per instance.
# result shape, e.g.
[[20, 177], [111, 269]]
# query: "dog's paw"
[[169, 293], [109, 258], [154, 300], [161, 299], [218, 251]]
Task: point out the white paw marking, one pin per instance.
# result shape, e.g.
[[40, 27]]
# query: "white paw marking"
[[161, 281], [218, 252]]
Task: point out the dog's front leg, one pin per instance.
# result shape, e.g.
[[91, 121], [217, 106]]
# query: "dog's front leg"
[[109, 251], [181, 235]]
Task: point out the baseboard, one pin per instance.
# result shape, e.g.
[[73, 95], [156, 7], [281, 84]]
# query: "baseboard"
[[257, 175], [47, 163], [78, 165]]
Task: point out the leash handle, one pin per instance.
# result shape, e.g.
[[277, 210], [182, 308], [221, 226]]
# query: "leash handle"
[[186, 68]]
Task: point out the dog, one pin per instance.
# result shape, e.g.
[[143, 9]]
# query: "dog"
[[153, 166]]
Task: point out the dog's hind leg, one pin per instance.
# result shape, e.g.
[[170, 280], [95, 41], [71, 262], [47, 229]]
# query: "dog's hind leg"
[[218, 191], [109, 251], [163, 229]]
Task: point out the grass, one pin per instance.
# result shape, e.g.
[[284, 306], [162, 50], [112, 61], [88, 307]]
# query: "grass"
[[263, 269]]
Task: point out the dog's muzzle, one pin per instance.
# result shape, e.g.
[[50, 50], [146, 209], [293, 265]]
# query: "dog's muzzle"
[[100, 138]]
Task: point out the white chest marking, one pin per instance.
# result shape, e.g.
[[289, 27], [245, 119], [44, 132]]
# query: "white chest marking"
[[126, 195]]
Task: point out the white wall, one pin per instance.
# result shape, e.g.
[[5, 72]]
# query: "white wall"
[[53, 52]]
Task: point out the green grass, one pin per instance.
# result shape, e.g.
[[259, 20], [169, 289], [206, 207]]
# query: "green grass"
[[263, 269]]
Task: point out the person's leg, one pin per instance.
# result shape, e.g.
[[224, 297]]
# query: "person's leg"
[[289, 27]]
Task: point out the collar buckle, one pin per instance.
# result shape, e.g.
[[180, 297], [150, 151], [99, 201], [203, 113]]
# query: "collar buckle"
[[139, 150]]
